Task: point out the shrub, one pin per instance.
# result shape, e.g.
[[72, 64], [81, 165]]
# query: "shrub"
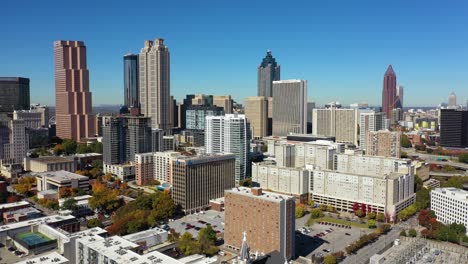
[[316, 213], [403, 233], [412, 233], [371, 223]]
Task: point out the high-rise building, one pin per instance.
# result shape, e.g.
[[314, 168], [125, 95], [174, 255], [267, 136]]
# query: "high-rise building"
[[400, 91], [44, 110], [224, 101], [266, 218], [131, 82], [229, 134], [31, 118], [371, 165], [383, 143], [336, 122], [14, 143], [195, 117], [14, 94], [289, 107], [268, 71], [397, 115], [123, 137], [389, 91], [73, 107], [454, 128], [450, 205], [452, 100], [369, 121], [310, 108], [155, 92], [256, 111], [198, 179], [154, 166]]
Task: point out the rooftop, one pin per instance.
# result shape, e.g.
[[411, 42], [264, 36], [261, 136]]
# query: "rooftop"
[[43, 220], [269, 196], [458, 194], [52, 159], [61, 175], [144, 234], [13, 205], [50, 258], [83, 155]]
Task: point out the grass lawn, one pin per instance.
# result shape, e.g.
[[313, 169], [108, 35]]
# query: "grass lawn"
[[335, 221]]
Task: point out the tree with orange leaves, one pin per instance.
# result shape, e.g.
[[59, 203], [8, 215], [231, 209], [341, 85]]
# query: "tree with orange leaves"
[[103, 198]]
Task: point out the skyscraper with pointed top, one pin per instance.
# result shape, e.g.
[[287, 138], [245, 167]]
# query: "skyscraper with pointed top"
[[268, 71], [389, 93]]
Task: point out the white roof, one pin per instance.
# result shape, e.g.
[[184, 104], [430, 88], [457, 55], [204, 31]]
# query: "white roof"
[[61, 175], [12, 205], [43, 220], [50, 258], [273, 197], [455, 193]]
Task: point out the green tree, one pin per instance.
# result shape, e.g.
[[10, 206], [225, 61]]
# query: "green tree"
[[58, 149], [463, 158], [360, 213], [423, 198], [330, 208], [94, 223], [311, 203], [380, 217], [316, 213], [69, 204], [323, 207], [208, 232], [330, 259], [186, 244], [448, 168], [97, 164], [95, 147], [82, 148], [403, 233], [371, 223], [455, 182], [405, 142], [412, 233], [371, 215], [246, 182], [69, 146]]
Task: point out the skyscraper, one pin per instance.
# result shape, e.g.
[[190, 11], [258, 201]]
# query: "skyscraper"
[[256, 111], [73, 111], [268, 71], [336, 122], [131, 82], [389, 91], [452, 99], [229, 134], [454, 128], [369, 121], [155, 90], [14, 94], [400, 98], [289, 107]]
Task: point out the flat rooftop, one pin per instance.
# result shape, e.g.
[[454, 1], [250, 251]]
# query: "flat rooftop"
[[144, 234], [269, 196], [52, 159], [85, 155], [455, 193], [13, 205], [50, 258], [61, 175], [43, 220]]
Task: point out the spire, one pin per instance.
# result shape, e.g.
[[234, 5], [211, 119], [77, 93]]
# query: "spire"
[[245, 249], [390, 70], [268, 60]]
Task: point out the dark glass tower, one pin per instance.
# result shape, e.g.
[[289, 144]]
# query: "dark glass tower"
[[268, 71], [131, 83], [454, 128], [14, 94]]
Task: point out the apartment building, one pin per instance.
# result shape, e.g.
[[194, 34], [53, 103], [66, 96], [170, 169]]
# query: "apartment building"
[[154, 166], [450, 205]]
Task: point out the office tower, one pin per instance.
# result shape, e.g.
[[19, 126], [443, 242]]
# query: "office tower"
[[383, 143], [397, 115], [187, 101], [450, 205], [369, 121], [14, 94], [399, 94], [224, 101], [202, 99], [174, 112], [268, 71], [44, 110], [31, 118], [123, 137], [270, 116], [73, 112], [289, 107], [154, 166], [454, 128], [131, 83], [155, 89], [389, 91], [256, 111], [335, 122], [310, 107], [229, 134], [14, 143], [198, 179], [267, 219], [195, 117], [452, 100]]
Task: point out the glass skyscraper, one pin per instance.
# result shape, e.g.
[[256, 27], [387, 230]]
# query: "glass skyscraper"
[[268, 71], [131, 81]]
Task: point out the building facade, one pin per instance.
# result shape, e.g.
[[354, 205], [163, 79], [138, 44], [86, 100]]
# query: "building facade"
[[336, 122], [383, 143], [450, 205], [155, 83], [198, 179], [55, 180], [454, 128], [369, 121], [14, 94], [229, 134], [43, 164], [154, 166], [73, 111], [31, 118], [224, 101], [14, 142], [131, 81], [256, 111], [196, 114], [289, 107], [389, 92], [266, 218], [371, 165], [268, 71]]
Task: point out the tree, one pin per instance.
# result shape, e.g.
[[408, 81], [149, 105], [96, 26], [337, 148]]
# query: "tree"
[[371, 215], [173, 236], [66, 192], [311, 203], [104, 199], [95, 147], [70, 204], [300, 211], [448, 168], [246, 182], [455, 182], [405, 142], [95, 172], [403, 233], [82, 148], [208, 232], [316, 213], [58, 149], [330, 259], [186, 244], [69, 146], [25, 185], [360, 213], [371, 223], [380, 217], [463, 158], [412, 233], [330, 208], [94, 222], [323, 207], [97, 164], [423, 198]]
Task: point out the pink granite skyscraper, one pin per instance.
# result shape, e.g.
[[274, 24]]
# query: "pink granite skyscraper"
[[74, 118], [389, 91]]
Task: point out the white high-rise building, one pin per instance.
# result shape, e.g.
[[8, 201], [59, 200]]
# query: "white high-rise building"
[[229, 134], [450, 205], [369, 121], [14, 142], [155, 92], [154, 166], [289, 107], [336, 122], [371, 165], [400, 93]]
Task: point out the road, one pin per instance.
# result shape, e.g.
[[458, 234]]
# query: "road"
[[432, 159]]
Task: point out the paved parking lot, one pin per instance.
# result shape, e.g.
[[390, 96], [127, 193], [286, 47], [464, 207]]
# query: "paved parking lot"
[[216, 219], [308, 244]]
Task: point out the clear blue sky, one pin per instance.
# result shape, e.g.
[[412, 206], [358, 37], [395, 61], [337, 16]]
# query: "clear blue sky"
[[341, 47]]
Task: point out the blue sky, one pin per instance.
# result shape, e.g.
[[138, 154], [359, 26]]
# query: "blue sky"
[[341, 47]]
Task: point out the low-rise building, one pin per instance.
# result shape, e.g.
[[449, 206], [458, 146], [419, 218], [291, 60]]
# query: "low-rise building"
[[450, 205], [154, 166], [148, 238], [7, 207], [54, 180], [50, 163], [85, 160], [125, 172], [50, 258]]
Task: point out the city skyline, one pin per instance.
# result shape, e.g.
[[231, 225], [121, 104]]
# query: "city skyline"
[[335, 54]]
